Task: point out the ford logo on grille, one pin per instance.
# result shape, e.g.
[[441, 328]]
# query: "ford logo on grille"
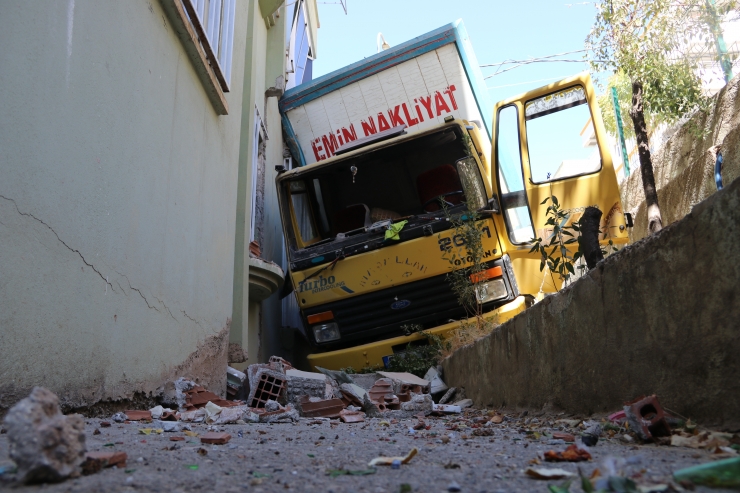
[[400, 304]]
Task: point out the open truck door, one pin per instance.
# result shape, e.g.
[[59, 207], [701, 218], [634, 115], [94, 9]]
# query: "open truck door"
[[551, 141]]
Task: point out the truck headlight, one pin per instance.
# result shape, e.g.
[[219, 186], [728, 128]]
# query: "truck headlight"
[[490, 290], [326, 332]]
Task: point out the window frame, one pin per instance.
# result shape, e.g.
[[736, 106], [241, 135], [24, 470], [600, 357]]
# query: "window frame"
[[501, 177], [217, 32], [591, 120]]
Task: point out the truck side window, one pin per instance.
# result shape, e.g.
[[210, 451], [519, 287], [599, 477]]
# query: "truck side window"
[[560, 136], [302, 211], [509, 161]]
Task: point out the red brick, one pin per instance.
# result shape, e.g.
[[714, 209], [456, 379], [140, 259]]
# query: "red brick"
[[215, 438], [134, 415]]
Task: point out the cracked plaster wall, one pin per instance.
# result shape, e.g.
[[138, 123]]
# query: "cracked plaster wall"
[[117, 203]]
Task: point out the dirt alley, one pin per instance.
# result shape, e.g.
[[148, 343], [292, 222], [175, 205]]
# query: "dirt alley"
[[301, 456]]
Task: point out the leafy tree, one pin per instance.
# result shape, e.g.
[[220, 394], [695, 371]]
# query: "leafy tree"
[[646, 42]]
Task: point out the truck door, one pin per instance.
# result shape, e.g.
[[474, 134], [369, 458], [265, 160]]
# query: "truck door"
[[551, 141]]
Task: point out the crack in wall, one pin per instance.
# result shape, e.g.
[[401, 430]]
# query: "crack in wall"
[[60, 240], [105, 278], [153, 307], [191, 318]]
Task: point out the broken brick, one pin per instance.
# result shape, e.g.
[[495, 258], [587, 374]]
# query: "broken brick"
[[566, 437], [647, 418], [138, 415], [177, 439], [95, 461], [570, 454], [265, 384], [215, 438], [325, 408], [349, 416]]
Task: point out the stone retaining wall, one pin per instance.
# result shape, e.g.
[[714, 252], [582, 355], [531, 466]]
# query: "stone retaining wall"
[[661, 316]]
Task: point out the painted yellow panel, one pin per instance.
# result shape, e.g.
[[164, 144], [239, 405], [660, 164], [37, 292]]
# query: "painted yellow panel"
[[405, 262]]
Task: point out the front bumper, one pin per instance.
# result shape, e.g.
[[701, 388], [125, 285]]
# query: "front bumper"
[[371, 355]]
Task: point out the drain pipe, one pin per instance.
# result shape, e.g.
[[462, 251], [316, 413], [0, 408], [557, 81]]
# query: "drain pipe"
[[718, 170]]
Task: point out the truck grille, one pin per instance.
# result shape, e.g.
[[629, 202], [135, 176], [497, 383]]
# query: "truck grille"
[[428, 302]]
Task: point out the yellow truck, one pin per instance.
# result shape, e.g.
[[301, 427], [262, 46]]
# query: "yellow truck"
[[385, 150]]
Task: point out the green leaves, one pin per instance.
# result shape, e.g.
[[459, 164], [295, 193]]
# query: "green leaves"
[[645, 40], [554, 250]]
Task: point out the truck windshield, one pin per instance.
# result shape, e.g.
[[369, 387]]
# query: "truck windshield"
[[418, 177]]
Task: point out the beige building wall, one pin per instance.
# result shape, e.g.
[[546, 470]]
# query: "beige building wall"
[[117, 202]]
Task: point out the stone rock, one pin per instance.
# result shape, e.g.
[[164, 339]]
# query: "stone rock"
[[45, 445]]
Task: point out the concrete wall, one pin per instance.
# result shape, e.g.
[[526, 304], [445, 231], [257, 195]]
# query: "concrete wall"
[[684, 166], [117, 202], [661, 316]]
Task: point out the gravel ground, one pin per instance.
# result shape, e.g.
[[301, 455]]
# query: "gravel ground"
[[301, 456]]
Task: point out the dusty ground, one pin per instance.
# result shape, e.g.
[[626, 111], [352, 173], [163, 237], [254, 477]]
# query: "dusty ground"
[[301, 456]]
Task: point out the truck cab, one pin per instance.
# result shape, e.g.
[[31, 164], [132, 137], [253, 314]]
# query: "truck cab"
[[367, 218]]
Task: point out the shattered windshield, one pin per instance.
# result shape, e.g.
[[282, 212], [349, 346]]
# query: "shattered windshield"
[[418, 177]]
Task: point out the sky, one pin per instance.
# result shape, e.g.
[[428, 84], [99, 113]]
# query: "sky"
[[498, 30]]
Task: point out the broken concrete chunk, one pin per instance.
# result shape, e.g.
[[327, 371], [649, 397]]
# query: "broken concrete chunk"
[[371, 409], [215, 438], [235, 384], [119, 417], [465, 403], [354, 393], [45, 445], [448, 395], [406, 378], [196, 416], [339, 376], [446, 408], [300, 383], [421, 403], [181, 387]]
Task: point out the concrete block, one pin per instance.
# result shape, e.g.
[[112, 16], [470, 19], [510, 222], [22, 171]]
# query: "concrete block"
[[45, 445]]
